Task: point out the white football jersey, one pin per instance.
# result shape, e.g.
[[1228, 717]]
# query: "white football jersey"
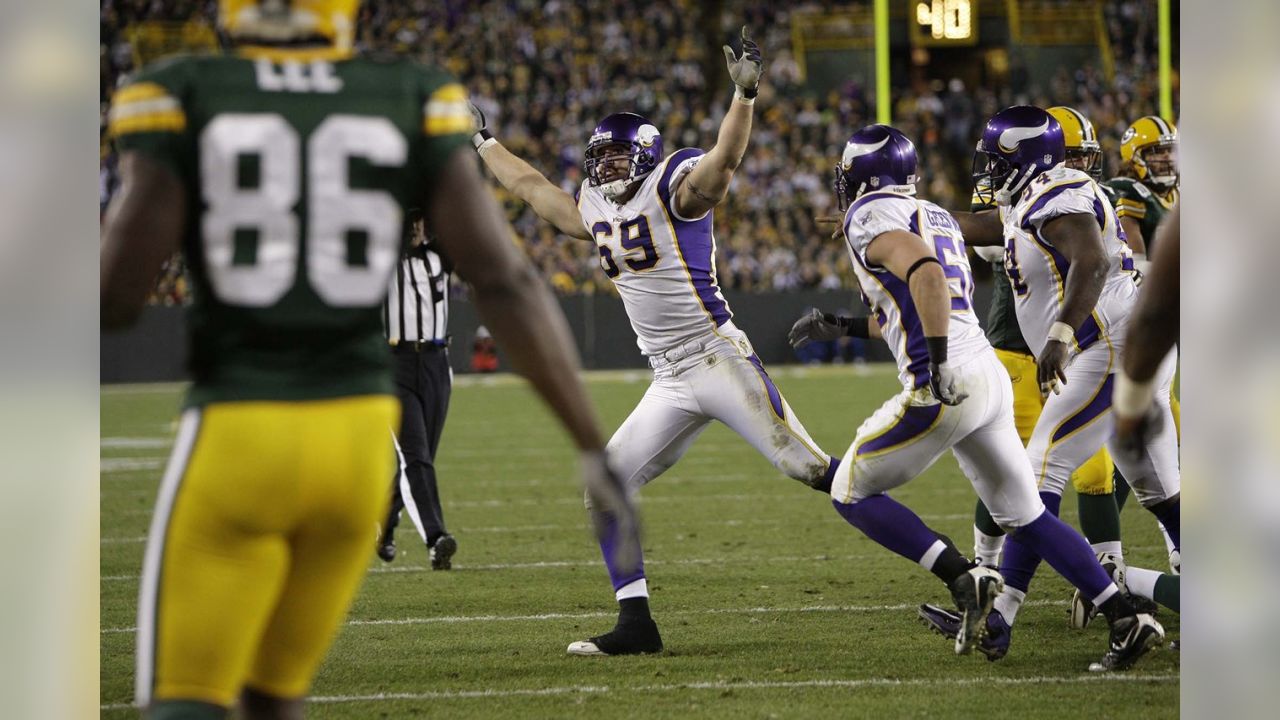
[[663, 265], [1037, 272], [875, 213]]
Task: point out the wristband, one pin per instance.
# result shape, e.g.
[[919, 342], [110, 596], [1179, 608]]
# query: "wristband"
[[746, 96], [482, 139], [937, 349], [1130, 397], [1062, 332]]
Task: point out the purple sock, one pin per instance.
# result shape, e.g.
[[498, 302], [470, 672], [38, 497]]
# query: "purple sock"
[[889, 523], [1170, 516], [1066, 551], [608, 548], [825, 485], [1019, 562]]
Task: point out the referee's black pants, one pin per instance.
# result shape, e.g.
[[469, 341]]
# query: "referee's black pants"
[[423, 384]]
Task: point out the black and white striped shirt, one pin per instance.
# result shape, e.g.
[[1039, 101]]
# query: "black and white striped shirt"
[[417, 306]]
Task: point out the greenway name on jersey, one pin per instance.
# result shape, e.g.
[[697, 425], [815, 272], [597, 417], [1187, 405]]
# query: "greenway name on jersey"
[[298, 176]]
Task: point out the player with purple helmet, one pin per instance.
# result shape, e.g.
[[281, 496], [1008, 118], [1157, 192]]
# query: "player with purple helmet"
[[1074, 285], [650, 217], [909, 257]]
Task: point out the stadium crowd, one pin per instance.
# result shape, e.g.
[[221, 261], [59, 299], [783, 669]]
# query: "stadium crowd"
[[544, 71]]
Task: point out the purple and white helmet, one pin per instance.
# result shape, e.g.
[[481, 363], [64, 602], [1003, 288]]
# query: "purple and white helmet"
[[621, 135], [876, 157], [1018, 144]]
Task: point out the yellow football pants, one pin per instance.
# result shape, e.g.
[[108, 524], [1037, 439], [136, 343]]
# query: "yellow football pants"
[[1091, 478], [260, 539]]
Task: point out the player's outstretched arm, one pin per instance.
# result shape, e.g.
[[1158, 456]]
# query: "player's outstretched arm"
[[913, 261], [547, 200], [143, 229], [980, 229], [708, 183], [1078, 238]]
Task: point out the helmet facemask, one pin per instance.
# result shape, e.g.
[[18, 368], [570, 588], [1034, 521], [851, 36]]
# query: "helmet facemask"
[[1161, 171], [1087, 158], [603, 166]]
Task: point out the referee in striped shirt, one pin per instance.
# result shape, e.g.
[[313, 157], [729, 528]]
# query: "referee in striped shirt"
[[416, 320]]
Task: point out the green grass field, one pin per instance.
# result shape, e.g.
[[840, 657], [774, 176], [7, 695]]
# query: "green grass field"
[[769, 603]]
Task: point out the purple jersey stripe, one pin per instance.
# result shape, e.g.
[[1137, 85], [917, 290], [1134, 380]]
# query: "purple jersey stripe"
[[914, 422], [697, 252], [1089, 332], [775, 397], [917, 351], [1059, 260], [1100, 403], [668, 169], [1044, 200]]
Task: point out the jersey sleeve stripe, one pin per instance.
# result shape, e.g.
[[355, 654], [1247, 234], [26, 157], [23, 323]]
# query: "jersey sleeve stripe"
[[669, 166], [174, 121], [1046, 196], [447, 111], [139, 92]]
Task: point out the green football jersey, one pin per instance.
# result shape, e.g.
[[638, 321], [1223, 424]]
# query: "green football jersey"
[[1003, 331], [1133, 199], [297, 175]]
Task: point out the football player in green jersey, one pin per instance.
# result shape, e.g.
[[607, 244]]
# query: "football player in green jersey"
[[282, 171], [1148, 150]]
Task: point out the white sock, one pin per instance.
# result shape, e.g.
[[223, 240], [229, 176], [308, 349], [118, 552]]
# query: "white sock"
[[1008, 603], [986, 548], [1109, 548], [1142, 582], [932, 554], [1105, 595], [633, 589]]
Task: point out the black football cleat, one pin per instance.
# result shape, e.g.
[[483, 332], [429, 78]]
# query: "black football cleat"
[[974, 593], [628, 637], [1131, 638], [387, 548], [442, 552]]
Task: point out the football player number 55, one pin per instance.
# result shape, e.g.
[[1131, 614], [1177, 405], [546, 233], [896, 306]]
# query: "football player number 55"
[[333, 209]]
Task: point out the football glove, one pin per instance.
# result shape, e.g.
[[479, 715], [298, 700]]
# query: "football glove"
[[817, 326], [612, 510], [745, 71], [482, 134]]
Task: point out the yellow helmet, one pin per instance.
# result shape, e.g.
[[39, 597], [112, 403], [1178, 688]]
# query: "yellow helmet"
[[1083, 151], [1145, 135], [286, 21]]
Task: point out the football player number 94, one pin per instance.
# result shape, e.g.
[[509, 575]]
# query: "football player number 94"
[[333, 208]]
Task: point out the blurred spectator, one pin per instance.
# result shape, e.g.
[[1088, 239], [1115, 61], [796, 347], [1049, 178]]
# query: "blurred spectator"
[[545, 71]]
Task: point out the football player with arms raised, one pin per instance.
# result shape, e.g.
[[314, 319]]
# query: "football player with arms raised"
[[1074, 285], [909, 258], [282, 171], [650, 216]]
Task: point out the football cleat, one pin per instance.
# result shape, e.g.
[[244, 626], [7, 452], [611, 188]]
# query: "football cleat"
[[1131, 638], [442, 552], [1083, 610], [632, 637], [1175, 562], [387, 549], [974, 593], [994, 645]]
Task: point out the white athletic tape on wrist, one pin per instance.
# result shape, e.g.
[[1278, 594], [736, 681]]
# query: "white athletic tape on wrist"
[[737, 95], [1130, 397], [486, 145], [1062, 332]]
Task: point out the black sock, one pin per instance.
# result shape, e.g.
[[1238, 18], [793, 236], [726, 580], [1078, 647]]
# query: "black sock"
[[433, 538], [1116, 607], [1122, 488], [983, 521], [950, 564], [636, 608]]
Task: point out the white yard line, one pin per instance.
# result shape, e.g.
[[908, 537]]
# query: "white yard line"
[[843, 683], [455, 619]]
